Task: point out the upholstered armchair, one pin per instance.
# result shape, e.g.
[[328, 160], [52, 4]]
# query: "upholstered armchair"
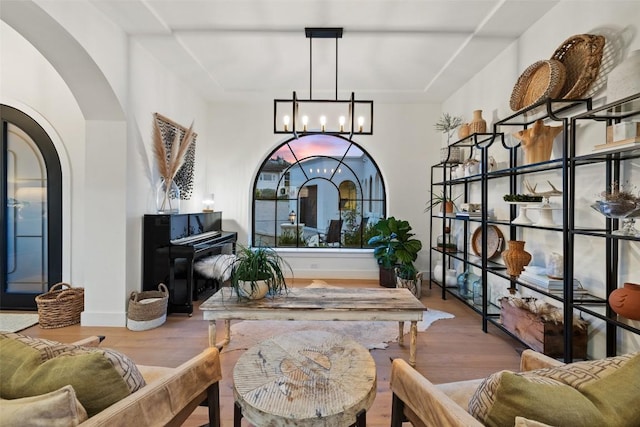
[[85, 382], [544, 392]]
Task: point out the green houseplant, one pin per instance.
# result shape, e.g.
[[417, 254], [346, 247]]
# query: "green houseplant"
[[258, 271], [393, 246], [448, 205]]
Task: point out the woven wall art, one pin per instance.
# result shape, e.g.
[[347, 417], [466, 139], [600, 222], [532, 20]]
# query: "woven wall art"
[[184, 177]]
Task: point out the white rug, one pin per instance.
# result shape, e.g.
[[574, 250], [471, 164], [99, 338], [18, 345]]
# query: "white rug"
[[372, 335], [14, 322]]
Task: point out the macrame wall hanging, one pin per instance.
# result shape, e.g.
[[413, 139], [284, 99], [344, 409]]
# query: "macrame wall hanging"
[[184, 176]]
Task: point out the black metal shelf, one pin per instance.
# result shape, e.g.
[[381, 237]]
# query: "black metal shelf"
[[567, 112]]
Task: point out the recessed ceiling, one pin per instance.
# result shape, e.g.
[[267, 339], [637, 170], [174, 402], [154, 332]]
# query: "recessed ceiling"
[[391, 50]]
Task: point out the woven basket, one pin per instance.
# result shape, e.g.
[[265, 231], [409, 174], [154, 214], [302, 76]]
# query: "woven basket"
[[540, 80], [581, 56], [60, 307], [147, 309]]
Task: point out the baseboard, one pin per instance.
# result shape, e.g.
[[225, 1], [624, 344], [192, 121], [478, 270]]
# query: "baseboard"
[[103, 319]]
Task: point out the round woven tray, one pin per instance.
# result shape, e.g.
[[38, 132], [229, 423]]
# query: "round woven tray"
[[494, 241], [541, 80], [581, 56]]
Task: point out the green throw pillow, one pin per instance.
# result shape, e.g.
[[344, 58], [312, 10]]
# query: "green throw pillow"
[[96, 382], [610, 401]]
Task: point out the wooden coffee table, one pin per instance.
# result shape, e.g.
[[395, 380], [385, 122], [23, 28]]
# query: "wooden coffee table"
[[392, 304], [304, 378]]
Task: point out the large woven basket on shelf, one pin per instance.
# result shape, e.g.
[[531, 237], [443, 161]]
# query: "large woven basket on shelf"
[[581, 56], [147, 309], [540, 80], [60, 306]]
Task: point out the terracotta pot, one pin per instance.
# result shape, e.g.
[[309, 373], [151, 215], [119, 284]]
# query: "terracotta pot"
[[626, 301], [515, 258], [464, 131], [447, 207], [478, 124]]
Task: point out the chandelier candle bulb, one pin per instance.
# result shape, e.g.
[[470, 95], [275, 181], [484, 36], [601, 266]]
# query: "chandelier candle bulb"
[[360, 123], [323, 122], [305, 121], [341, 120], [286, 120]]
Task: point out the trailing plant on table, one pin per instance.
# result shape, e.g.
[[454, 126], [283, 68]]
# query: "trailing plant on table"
[[259, 264]]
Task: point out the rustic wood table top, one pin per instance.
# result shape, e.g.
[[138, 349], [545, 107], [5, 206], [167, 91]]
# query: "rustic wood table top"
[[392, 304], [305, 378]]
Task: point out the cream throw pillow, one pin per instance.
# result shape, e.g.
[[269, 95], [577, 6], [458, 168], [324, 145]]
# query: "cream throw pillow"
[[59, 408]]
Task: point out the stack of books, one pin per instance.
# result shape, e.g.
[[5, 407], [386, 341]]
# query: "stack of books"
[[553, 286], [467, 214]]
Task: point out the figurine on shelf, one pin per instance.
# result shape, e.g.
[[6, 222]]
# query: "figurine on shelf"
[[537, 141]]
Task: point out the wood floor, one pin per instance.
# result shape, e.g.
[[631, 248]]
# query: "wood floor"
[[450, 350]]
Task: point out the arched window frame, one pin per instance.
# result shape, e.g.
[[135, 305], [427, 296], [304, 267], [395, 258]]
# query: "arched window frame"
[[355, 223]]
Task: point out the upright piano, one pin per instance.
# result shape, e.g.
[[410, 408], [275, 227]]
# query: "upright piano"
[[172, 243]]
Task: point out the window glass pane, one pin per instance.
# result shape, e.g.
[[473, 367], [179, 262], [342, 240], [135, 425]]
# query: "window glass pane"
[[309, 182], [26, 215]]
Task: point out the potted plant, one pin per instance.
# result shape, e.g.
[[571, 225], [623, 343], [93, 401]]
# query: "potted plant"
[[448, 204], [394, 245], [258, 271]]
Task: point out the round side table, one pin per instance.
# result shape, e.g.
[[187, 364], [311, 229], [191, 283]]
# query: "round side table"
[[307, 378]]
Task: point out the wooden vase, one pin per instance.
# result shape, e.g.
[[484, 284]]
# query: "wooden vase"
[[478, 124], [626, 301], [515, 258]]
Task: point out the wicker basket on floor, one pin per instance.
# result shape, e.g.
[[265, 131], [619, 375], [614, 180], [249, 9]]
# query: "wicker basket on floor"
[[147, 309], [60, 307]]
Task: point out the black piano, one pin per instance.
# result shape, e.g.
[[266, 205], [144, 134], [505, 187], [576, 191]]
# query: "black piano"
[[172, 243]]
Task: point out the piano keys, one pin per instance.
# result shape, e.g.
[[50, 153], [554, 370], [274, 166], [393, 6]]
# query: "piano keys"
[[171, 245]]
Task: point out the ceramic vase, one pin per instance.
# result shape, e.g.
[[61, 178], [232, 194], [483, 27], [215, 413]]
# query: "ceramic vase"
[[451, 280], [464, 131], [438, 272], [167, 197], [626, 301], [624, 80], [478, 124], [515, 258]]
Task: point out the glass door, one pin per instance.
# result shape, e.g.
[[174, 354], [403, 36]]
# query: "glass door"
[[31, 212]]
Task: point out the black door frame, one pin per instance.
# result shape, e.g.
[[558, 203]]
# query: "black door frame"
[[25, 301]]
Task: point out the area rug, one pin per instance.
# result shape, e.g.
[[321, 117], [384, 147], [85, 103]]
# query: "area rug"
[[371, 334], [14, 322]]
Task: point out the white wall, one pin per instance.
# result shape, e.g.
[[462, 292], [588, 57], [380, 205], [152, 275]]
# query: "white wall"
[[490, 91], [403, 146], [105, 163]]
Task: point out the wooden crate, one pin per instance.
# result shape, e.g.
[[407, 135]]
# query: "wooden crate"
[[542, 336]]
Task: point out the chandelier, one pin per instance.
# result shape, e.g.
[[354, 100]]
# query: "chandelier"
[[322, 116]]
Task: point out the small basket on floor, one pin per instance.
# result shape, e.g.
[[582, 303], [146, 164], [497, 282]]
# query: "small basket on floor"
[[147, 309], [60, 307]]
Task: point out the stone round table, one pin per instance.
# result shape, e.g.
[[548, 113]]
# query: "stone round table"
[[306, 378]]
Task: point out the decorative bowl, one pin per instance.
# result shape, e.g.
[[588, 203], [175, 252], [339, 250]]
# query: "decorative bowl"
[[625, 210]]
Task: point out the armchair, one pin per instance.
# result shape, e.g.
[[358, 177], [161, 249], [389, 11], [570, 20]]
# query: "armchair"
[[168, 398], [423, 403]]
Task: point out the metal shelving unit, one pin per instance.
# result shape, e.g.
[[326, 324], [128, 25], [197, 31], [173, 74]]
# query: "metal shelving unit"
[[567, 114]]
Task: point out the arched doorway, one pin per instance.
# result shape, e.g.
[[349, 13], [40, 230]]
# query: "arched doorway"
[[31, 211]]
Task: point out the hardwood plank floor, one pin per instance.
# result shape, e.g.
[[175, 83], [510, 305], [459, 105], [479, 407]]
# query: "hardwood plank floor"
[[450, 350]]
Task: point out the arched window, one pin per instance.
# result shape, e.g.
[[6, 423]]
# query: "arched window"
[[315, 192]]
